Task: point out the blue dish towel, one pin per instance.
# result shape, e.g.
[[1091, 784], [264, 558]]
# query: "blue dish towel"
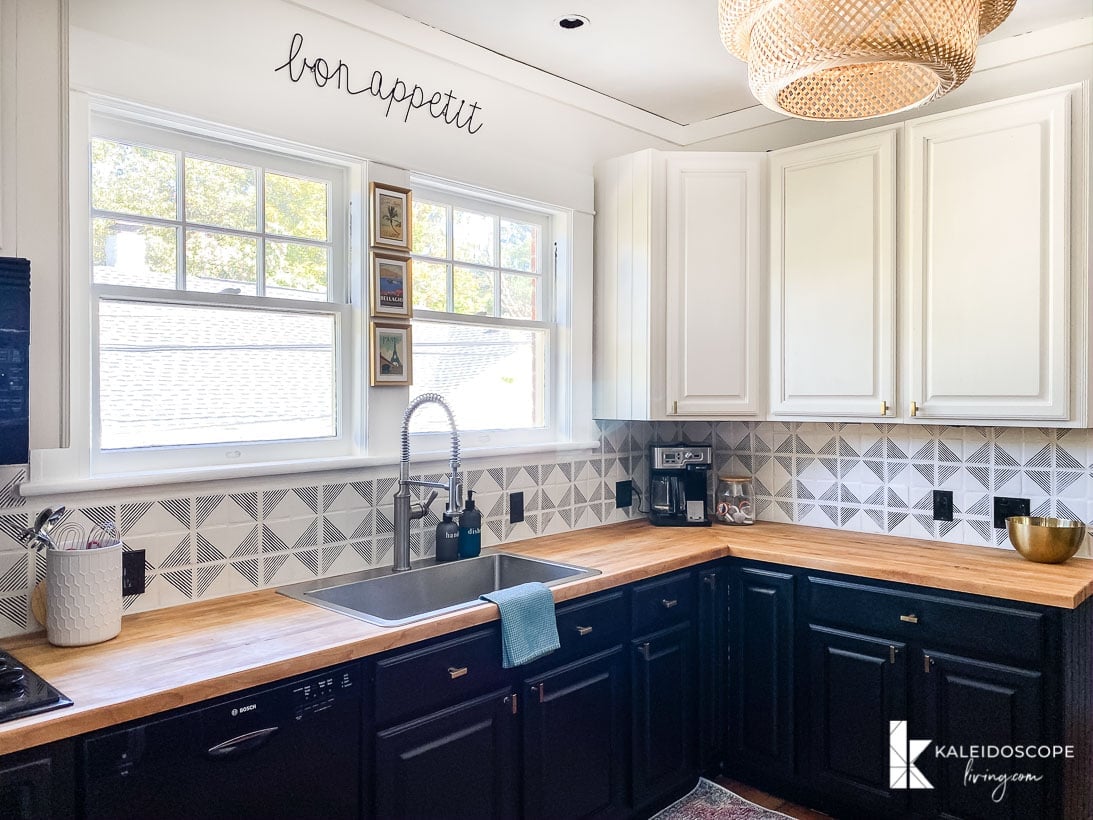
[[528, 628]]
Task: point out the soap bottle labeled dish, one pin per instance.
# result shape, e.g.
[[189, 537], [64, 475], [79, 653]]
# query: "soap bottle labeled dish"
[[470, 529]]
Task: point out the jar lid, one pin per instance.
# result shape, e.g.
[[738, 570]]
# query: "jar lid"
[[735, 478]]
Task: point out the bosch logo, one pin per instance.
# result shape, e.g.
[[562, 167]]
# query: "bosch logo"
[[242, 709]]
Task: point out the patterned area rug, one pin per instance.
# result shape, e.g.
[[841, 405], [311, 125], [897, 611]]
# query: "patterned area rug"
[[708, 801]]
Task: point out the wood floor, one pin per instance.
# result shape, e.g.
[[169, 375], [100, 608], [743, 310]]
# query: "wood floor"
[[769, 801]]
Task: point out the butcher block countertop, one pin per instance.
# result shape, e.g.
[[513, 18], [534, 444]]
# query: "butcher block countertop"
[[173, 657]]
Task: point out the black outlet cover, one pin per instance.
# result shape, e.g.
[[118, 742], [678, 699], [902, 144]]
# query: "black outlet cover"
[[516, 507], [624, 494], [943, 505], [1005, 507], [132, 572]]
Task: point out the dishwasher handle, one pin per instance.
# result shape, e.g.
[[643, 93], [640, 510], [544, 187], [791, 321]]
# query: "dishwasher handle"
[[242, 744]]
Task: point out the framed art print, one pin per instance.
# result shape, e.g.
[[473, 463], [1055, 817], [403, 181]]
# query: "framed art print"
[[391, 289], [392, 213], [391, 352]]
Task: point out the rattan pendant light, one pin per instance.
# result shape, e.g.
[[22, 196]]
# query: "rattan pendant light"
[[854, 59]]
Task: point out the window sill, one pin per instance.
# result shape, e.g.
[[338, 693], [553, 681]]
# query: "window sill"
[[420, 460]]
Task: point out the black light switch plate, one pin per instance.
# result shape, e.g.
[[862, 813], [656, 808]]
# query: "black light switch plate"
[[516, 507], [624, 494], [132, 572], [1005, 507], [943, 505]]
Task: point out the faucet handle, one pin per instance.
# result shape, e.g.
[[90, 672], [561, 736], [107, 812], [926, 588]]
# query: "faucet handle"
[[421, 509]]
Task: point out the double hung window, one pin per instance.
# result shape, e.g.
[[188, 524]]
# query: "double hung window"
[[485, 334], [220, 311]]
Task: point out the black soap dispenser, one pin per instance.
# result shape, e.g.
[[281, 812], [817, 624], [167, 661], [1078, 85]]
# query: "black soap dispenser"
[[470, 529], [447, 539]]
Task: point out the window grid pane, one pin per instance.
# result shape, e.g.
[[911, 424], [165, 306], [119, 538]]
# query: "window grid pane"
[[219, 194]]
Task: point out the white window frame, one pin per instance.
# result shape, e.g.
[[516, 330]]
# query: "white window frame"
[[555, 284], [344, 289]]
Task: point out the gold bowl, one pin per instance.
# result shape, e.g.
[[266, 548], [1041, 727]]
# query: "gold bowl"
[[1045, 540]]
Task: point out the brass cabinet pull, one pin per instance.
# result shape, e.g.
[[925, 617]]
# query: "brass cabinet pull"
[[909, 619], [584, 630], [645, 650], [710, 581], [668, 603], [884, 408], [538, 688], [914, 409], [892, 652], [456, 672], [675, 408], [511, 700], [927, 662]]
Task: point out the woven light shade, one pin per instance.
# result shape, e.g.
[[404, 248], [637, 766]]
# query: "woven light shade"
[[855, 59]]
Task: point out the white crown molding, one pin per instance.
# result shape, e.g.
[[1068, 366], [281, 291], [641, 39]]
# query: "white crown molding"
[[428, 40]]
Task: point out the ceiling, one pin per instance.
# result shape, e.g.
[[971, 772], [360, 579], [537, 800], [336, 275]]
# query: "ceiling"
[[661, 57]]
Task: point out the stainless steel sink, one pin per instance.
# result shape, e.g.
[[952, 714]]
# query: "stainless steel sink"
[[391, 599]]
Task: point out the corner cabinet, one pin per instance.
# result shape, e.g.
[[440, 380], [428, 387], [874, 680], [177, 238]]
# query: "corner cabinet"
[[677, 294]]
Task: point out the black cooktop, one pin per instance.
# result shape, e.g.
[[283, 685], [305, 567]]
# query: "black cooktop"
[[23, 693]]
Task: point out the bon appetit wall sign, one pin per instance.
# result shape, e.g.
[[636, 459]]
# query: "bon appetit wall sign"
[[399, 95]]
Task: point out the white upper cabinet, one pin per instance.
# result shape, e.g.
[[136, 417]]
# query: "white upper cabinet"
[[677, 285], [833, 278], [714, 256], [987, 263]]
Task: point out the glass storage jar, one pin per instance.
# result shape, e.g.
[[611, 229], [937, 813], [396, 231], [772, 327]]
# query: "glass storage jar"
[[734, 502]]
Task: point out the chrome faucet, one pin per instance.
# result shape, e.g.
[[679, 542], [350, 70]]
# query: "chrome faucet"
[[406, 511]]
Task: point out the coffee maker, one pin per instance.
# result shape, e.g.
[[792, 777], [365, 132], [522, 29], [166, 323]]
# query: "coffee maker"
[[679, 484]]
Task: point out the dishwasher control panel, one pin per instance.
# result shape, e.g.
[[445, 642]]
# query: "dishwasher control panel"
[[316, 694]]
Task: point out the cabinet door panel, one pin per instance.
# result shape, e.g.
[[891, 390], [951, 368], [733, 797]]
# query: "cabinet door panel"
[[663, 738], [988, 261], [761, 661], [712, 279], [459, 762], [833, 267], [857, 685], [974, 703], [574, 740]]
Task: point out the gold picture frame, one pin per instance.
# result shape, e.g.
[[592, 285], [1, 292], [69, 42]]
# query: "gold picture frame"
[[391, 355], [392, 216], [391, 285]]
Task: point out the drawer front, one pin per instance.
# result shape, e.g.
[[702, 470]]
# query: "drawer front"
[[589, 626], [416, 682], [663, 602], [1000, 632]]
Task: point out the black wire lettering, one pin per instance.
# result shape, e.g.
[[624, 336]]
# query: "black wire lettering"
[[396, 94]]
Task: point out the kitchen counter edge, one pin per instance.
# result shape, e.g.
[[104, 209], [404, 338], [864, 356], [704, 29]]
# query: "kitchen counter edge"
[[229, 644]]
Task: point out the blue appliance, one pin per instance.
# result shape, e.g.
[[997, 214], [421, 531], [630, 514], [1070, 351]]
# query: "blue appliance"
[[14, 360]]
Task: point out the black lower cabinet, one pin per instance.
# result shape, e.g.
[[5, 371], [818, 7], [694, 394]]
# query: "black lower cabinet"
[[712, 667], [663, 738], [974, 703], [857, 685], [761, 710], [574, 732], [459, 762], [37, 784]]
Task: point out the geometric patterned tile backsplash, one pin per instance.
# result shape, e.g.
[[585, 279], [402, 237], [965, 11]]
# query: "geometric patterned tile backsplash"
[[266, 533]]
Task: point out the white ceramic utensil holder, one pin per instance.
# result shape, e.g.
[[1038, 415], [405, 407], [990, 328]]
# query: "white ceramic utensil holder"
[[83, 595]]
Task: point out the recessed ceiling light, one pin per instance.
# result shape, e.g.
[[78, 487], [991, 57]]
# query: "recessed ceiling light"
[[571, 21]]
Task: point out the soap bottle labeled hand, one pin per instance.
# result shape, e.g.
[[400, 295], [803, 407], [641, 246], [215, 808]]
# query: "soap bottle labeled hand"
[[447, 539], [470, 529]]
